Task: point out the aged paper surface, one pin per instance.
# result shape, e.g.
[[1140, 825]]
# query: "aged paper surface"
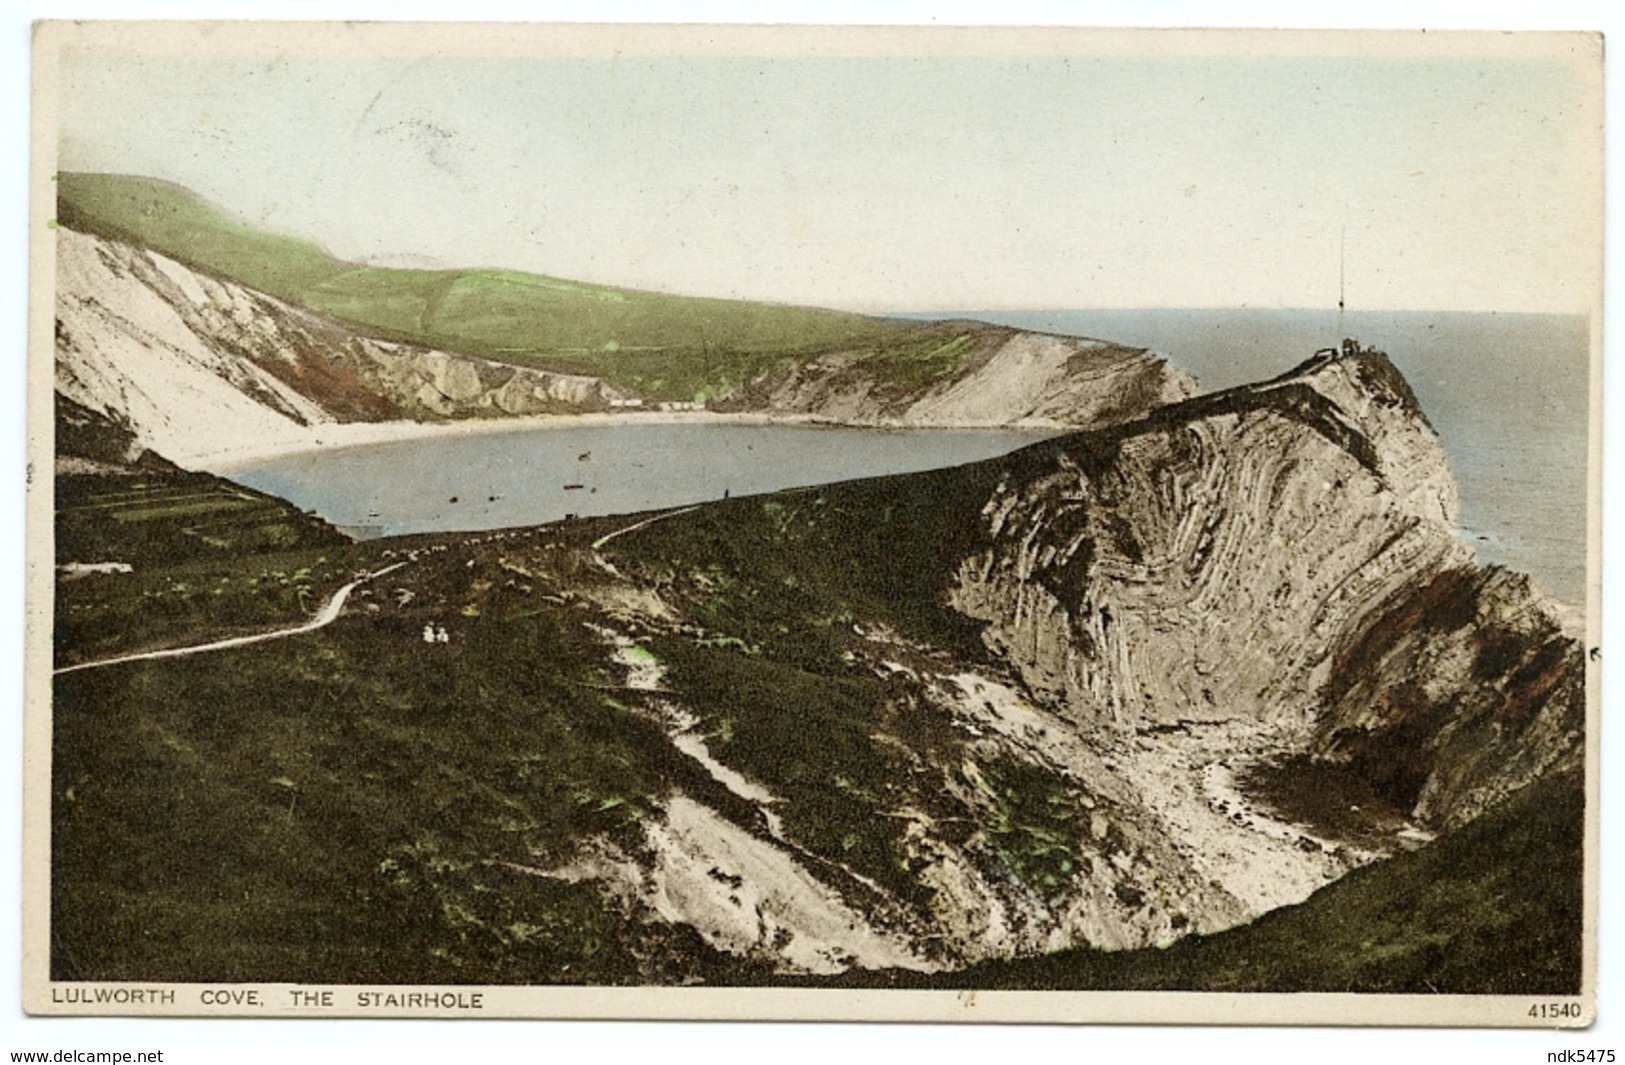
[[441, 603]]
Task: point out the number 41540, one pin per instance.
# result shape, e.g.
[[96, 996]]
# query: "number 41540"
[[1555, 1011]]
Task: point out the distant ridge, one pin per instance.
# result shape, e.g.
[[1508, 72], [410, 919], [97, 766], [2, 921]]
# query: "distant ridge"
[[667, 346]]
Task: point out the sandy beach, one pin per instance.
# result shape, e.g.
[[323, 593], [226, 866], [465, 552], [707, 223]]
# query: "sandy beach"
[[333, 435]]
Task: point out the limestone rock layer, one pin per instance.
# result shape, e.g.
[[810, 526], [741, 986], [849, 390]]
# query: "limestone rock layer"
[[1285, 554]]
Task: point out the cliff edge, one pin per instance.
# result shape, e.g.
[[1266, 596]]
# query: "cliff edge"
[[1282, 553]]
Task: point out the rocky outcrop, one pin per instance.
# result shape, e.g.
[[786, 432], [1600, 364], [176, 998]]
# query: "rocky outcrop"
[[999, 377], [1199, 563], [1453, 693], [1282, 554], [428, 385]]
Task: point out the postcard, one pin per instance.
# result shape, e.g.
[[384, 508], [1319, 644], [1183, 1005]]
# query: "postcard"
[[951, 524]]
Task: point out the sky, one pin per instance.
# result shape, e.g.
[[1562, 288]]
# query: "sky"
[[1046, 173]]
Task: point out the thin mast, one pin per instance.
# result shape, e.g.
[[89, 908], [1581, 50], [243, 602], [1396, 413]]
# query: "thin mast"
[[1342, 279]]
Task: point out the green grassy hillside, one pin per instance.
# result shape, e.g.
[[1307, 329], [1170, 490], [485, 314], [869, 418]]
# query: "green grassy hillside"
[[350, 805], [673, 347]]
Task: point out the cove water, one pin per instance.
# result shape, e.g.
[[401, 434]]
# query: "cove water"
[[532, 475]]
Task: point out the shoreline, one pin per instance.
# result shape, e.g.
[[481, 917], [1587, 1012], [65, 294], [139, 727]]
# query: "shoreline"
[[336, 436]]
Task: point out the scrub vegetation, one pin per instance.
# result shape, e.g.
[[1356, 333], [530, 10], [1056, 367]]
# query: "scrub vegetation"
[[1494, 908]]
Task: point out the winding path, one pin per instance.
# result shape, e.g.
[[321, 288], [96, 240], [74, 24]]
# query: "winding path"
[[323, 618], [602, 540]]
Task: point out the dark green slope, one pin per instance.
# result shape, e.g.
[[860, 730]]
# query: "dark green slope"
[[676, 347], [173, 220], [351, 805], [182, 534]]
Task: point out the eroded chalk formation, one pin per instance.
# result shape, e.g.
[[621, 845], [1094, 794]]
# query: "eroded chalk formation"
[[1282, 553], [1240, 638], [194, 363], [1007, 377]]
